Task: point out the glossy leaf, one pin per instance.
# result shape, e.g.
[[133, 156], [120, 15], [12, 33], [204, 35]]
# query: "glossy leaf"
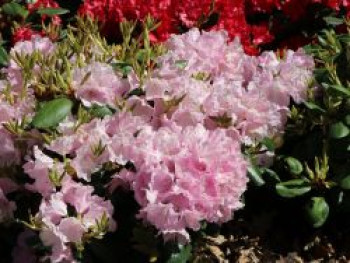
[[313, 106], [294, 166], [345, 183], [14, 9], [52, 11], [255, 175], [52, 113], [293, 188], [317, 211], [339, 130]]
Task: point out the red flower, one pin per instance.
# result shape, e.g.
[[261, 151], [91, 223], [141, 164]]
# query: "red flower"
[[175, 16], [23, 33]]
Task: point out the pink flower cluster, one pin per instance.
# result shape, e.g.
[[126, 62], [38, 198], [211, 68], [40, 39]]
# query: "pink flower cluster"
[[186, 176], [59, 228], [188, 88], [177, 147], [13, 71]]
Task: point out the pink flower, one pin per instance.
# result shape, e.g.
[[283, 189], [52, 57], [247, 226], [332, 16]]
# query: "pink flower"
[[13, 71], [39, 170], [52, 211], [53, 238], [72, 229], [187, 176], [97, 83]]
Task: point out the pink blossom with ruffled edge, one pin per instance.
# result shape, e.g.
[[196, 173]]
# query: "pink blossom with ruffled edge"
[[98, 83], [187, 176], [37, 43], [60, 229], [235, 82]]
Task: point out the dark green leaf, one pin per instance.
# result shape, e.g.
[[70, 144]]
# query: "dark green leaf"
[[293, 188], [294, 166], [182, 256], [345, 183], [347, 120], [341, 89], [344, 38], [317, 211], [338, 130], [272, 174], [3, 56], [312, 106], [255, 175], [14, 9], [52, 113], [311, 49], [52, 11]]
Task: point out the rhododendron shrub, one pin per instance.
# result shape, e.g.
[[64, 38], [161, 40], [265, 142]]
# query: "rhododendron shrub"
[[175, 130]]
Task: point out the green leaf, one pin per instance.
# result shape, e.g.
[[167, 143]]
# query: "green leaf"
[[182, 256], [100, 111], [345, 38], [293, 188], [311, 49], [341, 89], [272, 174], [338, 130], [268, 143], [345, 183], [347, 120], [14, 9], [294, 166], [333, 21], [317, 211], [312, 106], [255, 175], [52, 11], [52, 113], [3, 56]]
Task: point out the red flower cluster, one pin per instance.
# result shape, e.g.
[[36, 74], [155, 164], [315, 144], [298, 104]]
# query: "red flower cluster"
[[176, 16], [25, 32]]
